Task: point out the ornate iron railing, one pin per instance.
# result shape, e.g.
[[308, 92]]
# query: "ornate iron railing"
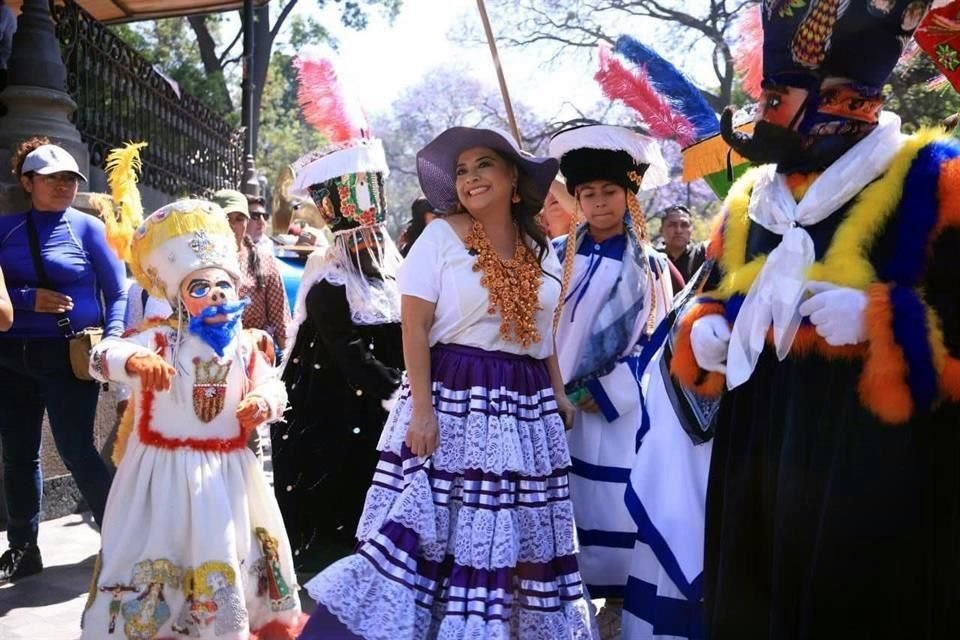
[[120, 97]]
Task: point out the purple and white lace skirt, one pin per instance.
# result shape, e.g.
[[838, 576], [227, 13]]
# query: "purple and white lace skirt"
[[476, 541]]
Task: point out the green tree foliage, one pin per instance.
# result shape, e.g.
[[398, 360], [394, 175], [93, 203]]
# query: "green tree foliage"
[[169, 45], [909, 95], [202, 55]]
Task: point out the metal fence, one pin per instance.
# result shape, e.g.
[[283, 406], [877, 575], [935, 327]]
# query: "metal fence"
[[120, 98]]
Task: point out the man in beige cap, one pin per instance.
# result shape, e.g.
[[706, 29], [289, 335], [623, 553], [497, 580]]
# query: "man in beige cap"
[[269, 309]]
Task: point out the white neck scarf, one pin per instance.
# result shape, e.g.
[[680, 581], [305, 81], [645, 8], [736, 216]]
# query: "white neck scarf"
[[778, 290]]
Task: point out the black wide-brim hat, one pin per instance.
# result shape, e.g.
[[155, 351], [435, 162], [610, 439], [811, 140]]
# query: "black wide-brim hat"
[[437, 163]]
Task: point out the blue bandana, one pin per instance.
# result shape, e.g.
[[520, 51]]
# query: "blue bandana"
[[219, 335]]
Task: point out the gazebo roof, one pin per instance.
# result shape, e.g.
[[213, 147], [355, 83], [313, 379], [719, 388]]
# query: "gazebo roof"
[[113, 11]]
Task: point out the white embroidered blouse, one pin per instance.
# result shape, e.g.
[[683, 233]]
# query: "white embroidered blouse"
[[439, 269]]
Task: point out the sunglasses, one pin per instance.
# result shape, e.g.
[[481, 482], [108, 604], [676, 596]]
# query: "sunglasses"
[[256, 215], [67, 179]]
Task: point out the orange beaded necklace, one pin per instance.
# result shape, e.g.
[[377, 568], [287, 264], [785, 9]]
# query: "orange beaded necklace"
[[513, 285]]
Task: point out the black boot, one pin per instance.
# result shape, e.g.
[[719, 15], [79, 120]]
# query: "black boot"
[[20, 562]]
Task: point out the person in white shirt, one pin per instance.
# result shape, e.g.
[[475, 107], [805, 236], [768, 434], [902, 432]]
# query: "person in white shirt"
[[617, 289]]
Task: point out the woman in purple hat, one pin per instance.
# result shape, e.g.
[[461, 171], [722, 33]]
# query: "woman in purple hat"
[[467, 531]]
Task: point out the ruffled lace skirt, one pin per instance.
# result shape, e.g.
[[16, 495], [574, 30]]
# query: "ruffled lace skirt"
[[476, 541]]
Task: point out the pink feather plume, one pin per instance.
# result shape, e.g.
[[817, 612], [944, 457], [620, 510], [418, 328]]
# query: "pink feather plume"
[[635, 90], [324, 102], [748, 51]]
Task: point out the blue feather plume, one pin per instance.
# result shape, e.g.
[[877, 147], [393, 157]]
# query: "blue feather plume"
[[673, 85]]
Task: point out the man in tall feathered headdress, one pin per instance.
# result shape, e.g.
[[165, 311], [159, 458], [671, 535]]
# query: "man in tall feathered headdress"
[[346, 352], [831, 327]]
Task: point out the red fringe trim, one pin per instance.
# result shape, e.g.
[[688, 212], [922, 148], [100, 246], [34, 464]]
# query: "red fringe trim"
[[155, 439], [276, 630], [883, 383], [684, 365], [950, 378], [949, 196]]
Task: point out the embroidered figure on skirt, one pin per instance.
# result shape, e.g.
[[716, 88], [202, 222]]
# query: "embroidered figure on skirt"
[[194, 613], [116, 591], [270, 580], [216, 585], [144, 614]]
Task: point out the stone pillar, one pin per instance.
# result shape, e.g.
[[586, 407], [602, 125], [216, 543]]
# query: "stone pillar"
[[35, 101]]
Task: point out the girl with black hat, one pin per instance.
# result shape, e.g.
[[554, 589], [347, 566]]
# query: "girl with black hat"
[[616, 290]]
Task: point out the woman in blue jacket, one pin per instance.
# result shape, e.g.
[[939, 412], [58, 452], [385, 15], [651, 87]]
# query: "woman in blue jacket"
[[82, 281]]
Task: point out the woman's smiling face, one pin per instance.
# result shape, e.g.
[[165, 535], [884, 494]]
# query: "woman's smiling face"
[[484, 178]]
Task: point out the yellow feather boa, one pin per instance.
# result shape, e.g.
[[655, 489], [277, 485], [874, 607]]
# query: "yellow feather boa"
[[846, 262]]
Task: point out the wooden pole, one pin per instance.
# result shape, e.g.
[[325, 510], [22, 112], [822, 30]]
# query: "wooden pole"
[[500, 78]]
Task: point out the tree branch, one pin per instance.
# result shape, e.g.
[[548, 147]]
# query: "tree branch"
[[233, 60], [230, 46], [278, 24], [209, 57]]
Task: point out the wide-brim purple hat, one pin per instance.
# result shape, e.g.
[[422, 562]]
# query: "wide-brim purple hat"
[[437, 163]]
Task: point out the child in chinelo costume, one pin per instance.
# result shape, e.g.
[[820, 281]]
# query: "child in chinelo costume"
[[193, 541], [831, 328], [616, 291]]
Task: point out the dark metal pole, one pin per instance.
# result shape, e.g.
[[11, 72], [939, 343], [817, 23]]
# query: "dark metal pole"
[[251, 185]]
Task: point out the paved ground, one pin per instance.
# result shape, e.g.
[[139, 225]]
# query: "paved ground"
[[48, 606]]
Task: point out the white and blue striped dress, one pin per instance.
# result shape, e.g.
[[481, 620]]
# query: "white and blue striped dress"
[[603, 445]]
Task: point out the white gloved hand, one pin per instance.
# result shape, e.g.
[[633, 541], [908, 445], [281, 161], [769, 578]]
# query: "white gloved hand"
[[836, 312], [709, 337]]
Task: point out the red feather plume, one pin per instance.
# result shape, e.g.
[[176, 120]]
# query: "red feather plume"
[[325, 104], [635, 90], [748, 51]]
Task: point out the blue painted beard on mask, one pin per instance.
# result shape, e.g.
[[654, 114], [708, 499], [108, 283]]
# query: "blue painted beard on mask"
[[221, 334]]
